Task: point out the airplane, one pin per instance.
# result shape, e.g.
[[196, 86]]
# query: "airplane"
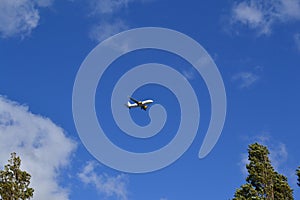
[[142, 104]]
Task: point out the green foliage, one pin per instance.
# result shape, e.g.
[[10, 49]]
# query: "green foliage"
[[246, 192], [14, 183], [282, 190], [298, 174], [263, 183]]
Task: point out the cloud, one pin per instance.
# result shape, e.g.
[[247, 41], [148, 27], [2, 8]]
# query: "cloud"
[[289, 10], [278, 152], [189, 74], [279, 156], [245, 79], [106, 185], [17, 18], [42, 146], [105, 11], [297, 40], [261, 15], [251, 16], [105, 29], [244, 161], [20, 17], [44, 3], [108, 6], [108, 24]]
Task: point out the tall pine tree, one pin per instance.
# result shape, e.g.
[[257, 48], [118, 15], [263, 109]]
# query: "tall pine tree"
[[14, 183], [263, 183], [298, 174]]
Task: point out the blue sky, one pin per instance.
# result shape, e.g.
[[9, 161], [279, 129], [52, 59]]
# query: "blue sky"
[[42, 46]]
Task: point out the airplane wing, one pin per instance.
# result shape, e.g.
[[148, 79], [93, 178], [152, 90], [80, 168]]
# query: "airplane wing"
[[134, 105], [131, 105], [147, 101], [135, 101]]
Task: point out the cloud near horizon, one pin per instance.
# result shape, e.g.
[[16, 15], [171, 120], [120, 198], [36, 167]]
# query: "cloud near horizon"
[[36, 140]]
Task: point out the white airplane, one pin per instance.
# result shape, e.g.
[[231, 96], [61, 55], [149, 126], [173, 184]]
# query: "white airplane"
[[142, 104]]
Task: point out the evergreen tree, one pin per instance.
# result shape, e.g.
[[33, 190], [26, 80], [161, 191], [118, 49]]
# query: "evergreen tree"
[[14, 183], [298, 174], [263, 183]]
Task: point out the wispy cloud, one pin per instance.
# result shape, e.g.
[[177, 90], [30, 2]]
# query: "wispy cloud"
[[297, 40], [243, 162], [261, 15], [278, 152], [245, 79], [109, 24], [107, 185], [108, 6], [19, 18], [277, 149], [251, 15], [189, 74], [44, 3], [104, 30], [43, 147]]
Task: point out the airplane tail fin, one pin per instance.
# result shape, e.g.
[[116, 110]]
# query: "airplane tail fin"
[[128, 104]]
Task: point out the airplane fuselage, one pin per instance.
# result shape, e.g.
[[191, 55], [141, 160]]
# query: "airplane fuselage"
[[142, 104]]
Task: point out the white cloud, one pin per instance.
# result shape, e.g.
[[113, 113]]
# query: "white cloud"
[[105, 29], [261, 15], [20, 17], [278, 152], [44, 3], [100, 7], [278, 155], [106, 185], [109, 24], [244, 161], [189, 74], [248, 14], [17, 17], [245, 79], [297, 40], [289, 9], [43, 147], [108, 6]]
